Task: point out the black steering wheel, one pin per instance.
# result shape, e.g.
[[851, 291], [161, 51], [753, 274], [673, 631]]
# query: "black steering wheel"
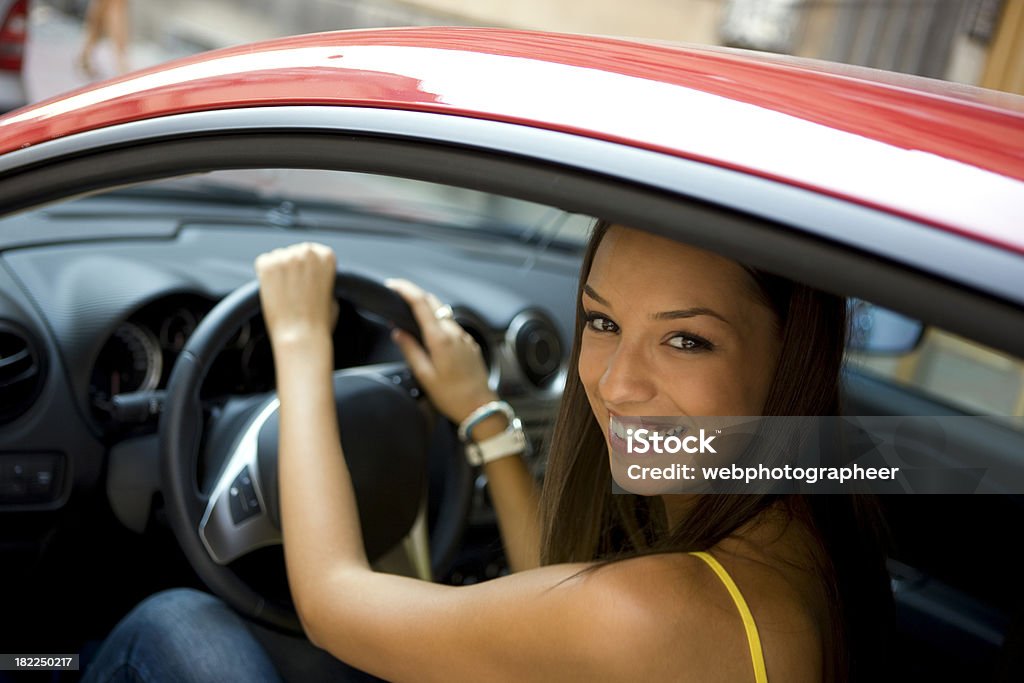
[[388, 431]]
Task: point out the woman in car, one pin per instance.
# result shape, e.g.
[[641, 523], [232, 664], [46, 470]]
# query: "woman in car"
[[604, 586]]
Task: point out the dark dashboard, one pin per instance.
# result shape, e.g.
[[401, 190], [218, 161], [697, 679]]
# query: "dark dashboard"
[[105, 318], [136, 360], [138, 356], [98, 295]]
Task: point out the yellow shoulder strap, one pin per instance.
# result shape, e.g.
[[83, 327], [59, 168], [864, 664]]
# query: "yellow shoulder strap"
[[753, 639]]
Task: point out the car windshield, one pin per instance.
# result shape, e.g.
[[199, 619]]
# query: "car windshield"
[[900, 350], [306, 196]]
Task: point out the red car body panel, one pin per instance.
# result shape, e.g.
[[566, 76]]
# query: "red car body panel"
[[944, 154]]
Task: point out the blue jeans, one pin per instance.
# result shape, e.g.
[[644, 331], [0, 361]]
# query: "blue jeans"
[[187, 636]]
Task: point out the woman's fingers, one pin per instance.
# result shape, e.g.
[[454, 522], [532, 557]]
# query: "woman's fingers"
[[448, 365], [415, 355], [422, 309]]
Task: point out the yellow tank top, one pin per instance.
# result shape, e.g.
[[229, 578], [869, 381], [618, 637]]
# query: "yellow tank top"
[[753, 639]]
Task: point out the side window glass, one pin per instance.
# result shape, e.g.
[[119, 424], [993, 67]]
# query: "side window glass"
[[941, 366]]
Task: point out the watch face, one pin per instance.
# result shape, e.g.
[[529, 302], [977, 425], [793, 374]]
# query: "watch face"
[[509, 442]]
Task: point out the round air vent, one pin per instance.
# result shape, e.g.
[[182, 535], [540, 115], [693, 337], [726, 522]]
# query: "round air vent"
[[537, 347], [21, 372]]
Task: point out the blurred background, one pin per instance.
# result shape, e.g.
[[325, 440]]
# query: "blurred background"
[[978, 42]]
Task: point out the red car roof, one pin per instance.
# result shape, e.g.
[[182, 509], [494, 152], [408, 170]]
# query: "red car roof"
[[942, 153]]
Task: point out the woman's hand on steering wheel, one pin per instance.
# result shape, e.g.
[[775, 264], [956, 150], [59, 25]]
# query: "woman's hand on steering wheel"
[[449, 365], [297, 291], [297, 298]]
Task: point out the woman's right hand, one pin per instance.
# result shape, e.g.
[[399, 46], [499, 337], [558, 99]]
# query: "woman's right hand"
[[449, 365], [450, 368]]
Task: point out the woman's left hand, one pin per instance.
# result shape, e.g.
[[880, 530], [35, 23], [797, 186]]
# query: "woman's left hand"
[[297, 292]]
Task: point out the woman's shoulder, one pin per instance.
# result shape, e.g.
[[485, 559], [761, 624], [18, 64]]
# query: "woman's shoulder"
[[684, 580], [690, 626], [655, 607]]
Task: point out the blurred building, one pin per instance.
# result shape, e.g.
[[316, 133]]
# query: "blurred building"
[[970, 41], [950, 39]]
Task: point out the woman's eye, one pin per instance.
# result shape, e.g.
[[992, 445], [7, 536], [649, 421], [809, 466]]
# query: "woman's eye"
[[689, 342], [599, 323]]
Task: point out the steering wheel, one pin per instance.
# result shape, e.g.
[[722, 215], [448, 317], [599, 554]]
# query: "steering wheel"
[[388, 432]]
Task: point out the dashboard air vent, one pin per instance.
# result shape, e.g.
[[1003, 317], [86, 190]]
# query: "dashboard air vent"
[[537, 347], [21, 376]]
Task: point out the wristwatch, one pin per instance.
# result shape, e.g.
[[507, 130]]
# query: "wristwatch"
[[509, 442]]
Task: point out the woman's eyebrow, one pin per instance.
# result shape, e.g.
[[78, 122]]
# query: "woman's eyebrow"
[[689, 313], [664, 315], [589, 291]]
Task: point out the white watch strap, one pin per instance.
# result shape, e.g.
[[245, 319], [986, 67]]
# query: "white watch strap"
[[481, 414], [509, 442]]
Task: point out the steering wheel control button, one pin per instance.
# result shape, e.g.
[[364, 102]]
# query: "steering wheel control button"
[[242, 494], [404, 379]]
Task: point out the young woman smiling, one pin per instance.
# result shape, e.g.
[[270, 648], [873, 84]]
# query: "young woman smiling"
[[606, 587]]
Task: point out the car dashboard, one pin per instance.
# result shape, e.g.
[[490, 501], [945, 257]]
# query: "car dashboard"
[[105, 319]]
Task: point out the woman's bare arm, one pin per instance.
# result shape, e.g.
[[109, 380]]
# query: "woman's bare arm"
[[453, 374], [543, 624], [516, 501]]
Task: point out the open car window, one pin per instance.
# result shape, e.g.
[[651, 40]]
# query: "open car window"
[[161, 253], [952, 370]]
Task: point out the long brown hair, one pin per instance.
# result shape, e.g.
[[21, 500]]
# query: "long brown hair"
[[583, 521]]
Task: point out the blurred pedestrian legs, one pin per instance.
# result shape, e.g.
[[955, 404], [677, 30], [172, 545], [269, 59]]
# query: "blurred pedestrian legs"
[[106, 19]]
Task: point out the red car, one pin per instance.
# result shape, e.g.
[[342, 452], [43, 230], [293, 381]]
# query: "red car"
[[472, 161], [13, 33]]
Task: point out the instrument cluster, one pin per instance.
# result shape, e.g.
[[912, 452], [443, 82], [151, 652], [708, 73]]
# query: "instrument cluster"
[[138, 356], [140, 353]]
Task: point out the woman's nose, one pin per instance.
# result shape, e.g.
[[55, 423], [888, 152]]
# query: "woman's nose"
[[627, 378]]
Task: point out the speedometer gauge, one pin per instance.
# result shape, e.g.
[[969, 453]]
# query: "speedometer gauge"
[[131, 360], [176, 329]]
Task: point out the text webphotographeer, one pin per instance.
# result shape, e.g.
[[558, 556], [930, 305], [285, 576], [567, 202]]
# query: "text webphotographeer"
[[809, 475]]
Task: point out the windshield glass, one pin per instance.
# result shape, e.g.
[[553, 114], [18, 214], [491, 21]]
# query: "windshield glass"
[[402, 199]]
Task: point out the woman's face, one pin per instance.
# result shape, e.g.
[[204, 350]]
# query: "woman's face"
[[672, 331]]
